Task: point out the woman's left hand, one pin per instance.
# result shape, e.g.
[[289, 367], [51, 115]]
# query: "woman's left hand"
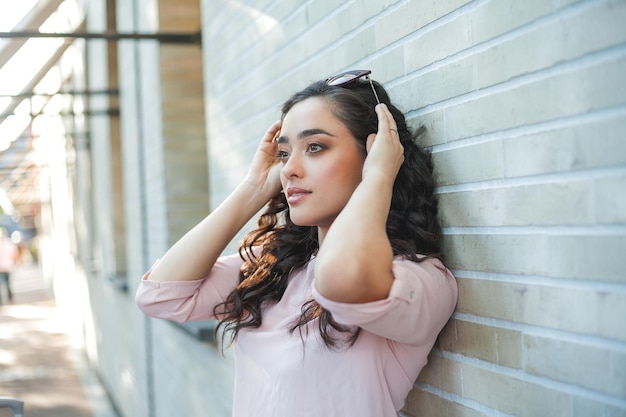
[[385, 153]]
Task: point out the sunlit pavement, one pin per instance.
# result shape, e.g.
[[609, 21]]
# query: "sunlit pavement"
[[41, 361]]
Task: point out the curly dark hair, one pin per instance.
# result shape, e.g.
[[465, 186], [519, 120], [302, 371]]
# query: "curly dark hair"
[[278, 247]]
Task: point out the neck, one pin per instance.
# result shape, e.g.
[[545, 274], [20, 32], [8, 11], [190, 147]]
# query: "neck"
[[321, 234]]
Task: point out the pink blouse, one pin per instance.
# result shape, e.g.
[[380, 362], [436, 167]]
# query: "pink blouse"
[[281, 374]]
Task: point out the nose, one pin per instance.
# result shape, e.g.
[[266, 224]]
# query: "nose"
[[292, 167]]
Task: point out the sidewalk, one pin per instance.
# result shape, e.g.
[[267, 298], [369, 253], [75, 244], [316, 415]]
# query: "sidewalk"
[[41, 362]]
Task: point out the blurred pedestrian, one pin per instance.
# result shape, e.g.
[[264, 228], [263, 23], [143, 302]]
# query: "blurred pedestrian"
[[8, 259]]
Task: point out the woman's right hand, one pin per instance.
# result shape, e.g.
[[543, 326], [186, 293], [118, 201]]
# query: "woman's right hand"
[[193, 256], [264, 171]]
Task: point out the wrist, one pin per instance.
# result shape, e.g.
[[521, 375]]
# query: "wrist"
[[379, 181], [252, 195]]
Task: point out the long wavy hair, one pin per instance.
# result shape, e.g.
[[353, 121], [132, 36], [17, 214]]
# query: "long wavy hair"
[[278, 247]]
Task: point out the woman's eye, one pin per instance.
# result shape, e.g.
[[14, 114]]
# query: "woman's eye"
[[315, 147], [282, 155]]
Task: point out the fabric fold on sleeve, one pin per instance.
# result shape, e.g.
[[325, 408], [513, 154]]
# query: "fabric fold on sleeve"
[[420, 302], [184, 301]]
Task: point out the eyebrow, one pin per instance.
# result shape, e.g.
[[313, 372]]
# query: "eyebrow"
[[304, 134]]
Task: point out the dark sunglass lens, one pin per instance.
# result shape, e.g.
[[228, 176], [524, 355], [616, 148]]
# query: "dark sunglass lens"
[[347, 77], [340, 79]]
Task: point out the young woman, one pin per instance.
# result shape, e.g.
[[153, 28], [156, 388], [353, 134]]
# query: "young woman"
[[335, 300]]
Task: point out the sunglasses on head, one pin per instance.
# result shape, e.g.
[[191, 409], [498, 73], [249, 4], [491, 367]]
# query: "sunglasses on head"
[[349, 76]]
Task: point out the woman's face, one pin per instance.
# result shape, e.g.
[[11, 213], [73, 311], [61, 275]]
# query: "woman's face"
[[321, 163]]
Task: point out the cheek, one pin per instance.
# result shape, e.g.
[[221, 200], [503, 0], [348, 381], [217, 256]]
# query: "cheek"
[[354, 166], [347, 173]]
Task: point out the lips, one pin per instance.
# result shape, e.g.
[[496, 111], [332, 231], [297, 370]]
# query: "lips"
[[295, 195]]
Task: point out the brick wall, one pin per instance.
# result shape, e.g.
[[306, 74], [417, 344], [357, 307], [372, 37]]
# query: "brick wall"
[[525, 103]]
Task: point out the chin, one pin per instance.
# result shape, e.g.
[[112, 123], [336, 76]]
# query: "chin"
[[303, 220], [310, 221]]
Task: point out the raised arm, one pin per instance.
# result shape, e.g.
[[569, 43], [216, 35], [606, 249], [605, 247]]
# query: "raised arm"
[[355, 258], [193, 256]]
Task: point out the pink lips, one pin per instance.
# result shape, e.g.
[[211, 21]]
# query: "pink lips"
[[295, 195]]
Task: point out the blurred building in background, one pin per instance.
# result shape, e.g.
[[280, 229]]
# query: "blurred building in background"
[[123, 123]]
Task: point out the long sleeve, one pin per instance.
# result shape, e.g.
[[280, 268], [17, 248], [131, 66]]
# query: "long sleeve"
[[184, 301]]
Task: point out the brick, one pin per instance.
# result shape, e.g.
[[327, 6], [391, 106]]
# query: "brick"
[[177, 133], [383, 72], [434, 123], [493, 18], [526, 53], [597, 87], [560, 204], [579, 310], [394, 26], [513, 395], [440, 8], [316, 39], [442, 373], [600, 368], [614, 410], [552, 255], [410, 17], [452, 79], [568, 148], [459, 165], [489, 343], [179, 15], [352, 50], [585, 407], [230, 23], [182, 86], [610, 206], [265, 35], [436, 44], [190, 113], [563, 3], [419, 15], [548, 44], [422, 403], [189, 160], [182, 184]]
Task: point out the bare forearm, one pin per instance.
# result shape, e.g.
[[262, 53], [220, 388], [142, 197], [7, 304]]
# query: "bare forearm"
[[354, 261], [193, 256]]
